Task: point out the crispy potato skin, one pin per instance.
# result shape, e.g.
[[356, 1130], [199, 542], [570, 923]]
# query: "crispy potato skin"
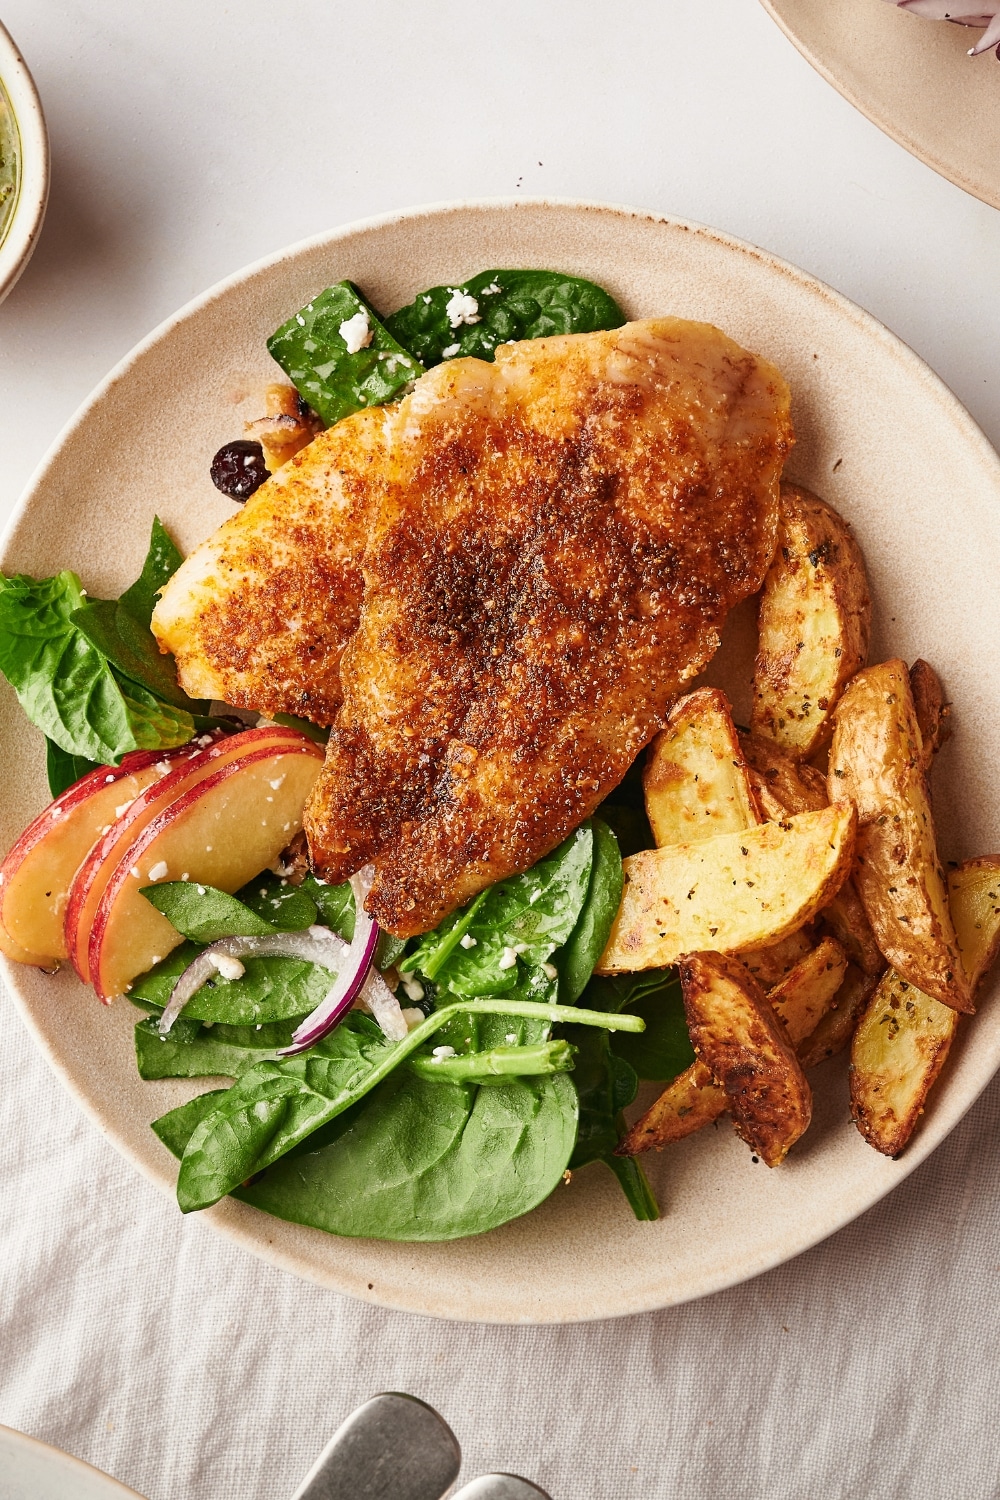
[[785, 786], [932, 711], [693, 1100], [814, 624], [837, 1027], [904, 1036], [737, 891], [876, 761], [746, 1048], [695, 778], [805, 995]]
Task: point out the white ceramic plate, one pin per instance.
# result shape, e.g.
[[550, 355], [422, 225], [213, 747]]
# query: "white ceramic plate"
[[878, 434], [30, 1470], [911, 77]]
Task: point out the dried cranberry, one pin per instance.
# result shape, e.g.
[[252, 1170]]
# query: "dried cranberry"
[[239, 468]]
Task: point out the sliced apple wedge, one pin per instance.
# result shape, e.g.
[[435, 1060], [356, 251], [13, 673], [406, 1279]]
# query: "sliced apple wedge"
[[221, 831], [36, 876], [188, 767]]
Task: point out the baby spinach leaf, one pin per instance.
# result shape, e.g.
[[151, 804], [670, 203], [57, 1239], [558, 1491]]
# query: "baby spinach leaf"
[[66, 686], [442, 323], [335, 904], [176, 1128], [270, 989], [664, 1048], [585, 944], [273, 1107], [63, 769], [523, 917], [313, 350], [288, 908], [539, 1060], [120, 628], [162, 561], [607, 1084], [132, 650], [430, 1161], [202, 913], [192, 1050]]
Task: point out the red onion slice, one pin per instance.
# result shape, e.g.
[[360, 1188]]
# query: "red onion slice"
[[351, 978], [317, 945]]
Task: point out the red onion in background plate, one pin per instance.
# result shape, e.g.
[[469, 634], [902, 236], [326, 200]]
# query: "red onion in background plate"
[[987, 15]]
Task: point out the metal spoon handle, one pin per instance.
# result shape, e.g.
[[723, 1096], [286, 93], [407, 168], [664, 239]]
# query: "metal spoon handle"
[[392, 1448]]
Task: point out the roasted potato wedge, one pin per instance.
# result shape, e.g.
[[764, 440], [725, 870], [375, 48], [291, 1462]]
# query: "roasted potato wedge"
[[836, 1028], [876, 762], [694, 1099], [769, 966], [746, 1049], [695, 778], [784, 786], [814, 624], [734, 892], [805, 995], [904, 1036], [691, 1101], [933, 713]]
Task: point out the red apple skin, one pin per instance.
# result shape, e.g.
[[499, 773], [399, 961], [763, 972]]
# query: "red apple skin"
[[58, 820], [93, 875], [175, 809]]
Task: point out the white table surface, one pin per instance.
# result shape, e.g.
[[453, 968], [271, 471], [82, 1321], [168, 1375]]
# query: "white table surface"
[[189, 139]]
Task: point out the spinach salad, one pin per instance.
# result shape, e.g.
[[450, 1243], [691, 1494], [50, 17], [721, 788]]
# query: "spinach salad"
[[517, 1063]]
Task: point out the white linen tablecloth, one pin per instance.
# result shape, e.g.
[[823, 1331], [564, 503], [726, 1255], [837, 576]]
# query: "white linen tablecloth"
[[188, 140]]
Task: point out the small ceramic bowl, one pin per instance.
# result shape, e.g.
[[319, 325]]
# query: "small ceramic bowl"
[[24, 186]]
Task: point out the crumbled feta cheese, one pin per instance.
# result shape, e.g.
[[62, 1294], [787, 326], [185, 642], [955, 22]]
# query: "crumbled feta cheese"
[[356, 332], [111, 778], [203, 739], [300, 320], [134, 871], [414, 989], [413, 1018], [534, 896], [451, 351], [441, 1052], [461, 308], [550, 971], [467, 941], [227, 966], [508, 959], [511, 1038], [274, 785], [491, 290], [427, 299], [520, 947], [160, 870], [200, 889]]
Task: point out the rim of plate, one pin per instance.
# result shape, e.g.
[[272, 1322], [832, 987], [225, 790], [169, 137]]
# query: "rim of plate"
[[948, 1112], [986, 192], [28, 214], [66, 1466]]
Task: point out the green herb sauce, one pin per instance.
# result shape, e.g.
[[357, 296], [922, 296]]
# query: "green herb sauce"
[[10, 143]]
